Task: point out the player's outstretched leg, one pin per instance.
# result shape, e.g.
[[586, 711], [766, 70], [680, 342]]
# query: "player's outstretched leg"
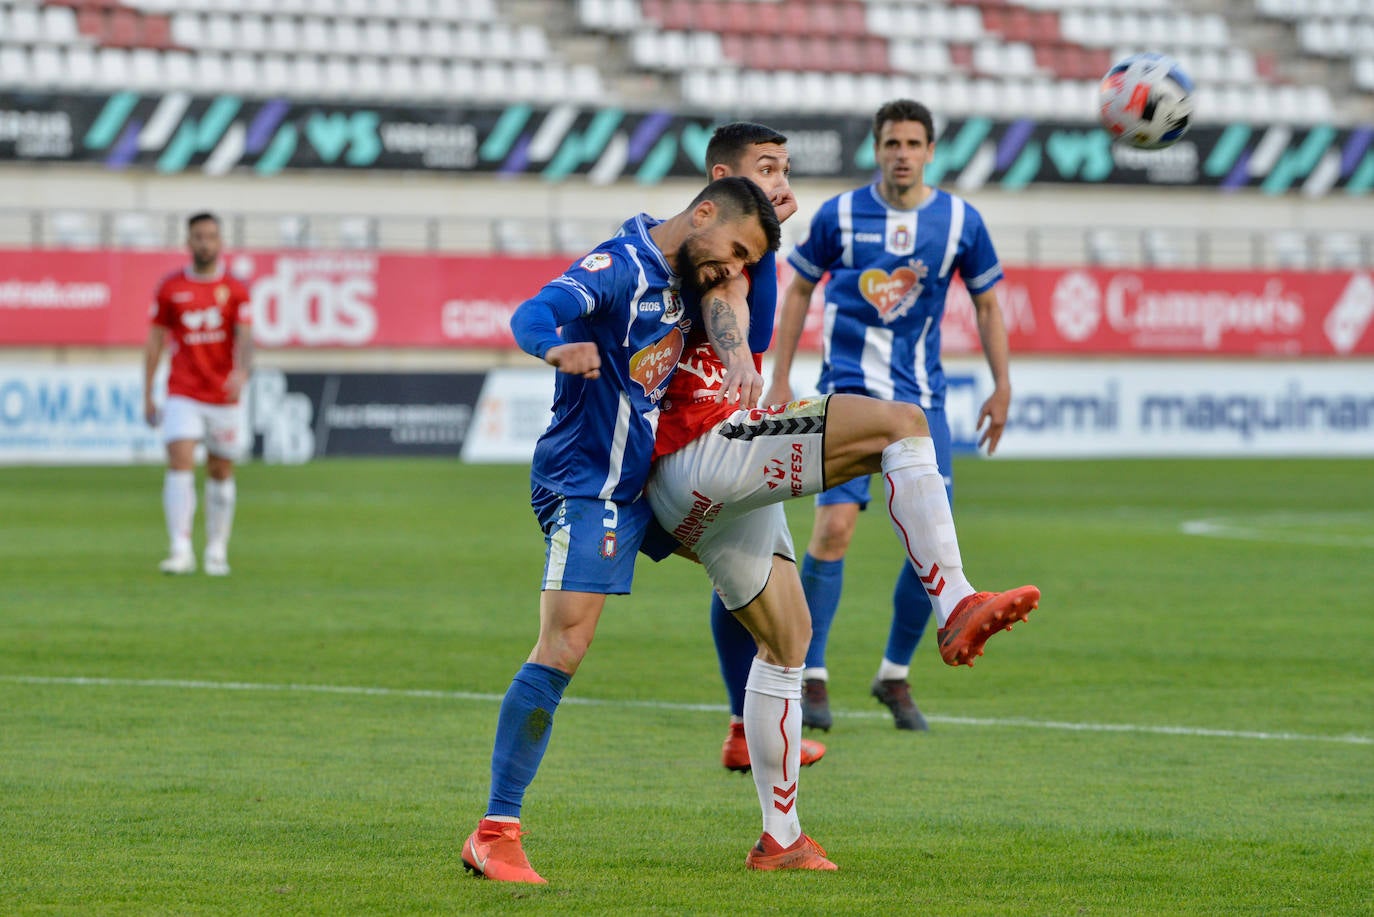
[[921, 517], [978, 617]]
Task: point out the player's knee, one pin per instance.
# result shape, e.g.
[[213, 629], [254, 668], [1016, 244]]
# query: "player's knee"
[[786, 649], [829, 542], [906, 419], [562, 649]]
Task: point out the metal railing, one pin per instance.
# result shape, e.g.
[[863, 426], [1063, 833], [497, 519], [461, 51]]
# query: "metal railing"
[[1106, 245]]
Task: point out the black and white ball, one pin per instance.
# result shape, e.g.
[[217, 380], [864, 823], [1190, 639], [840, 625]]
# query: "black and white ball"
[[1146, 101]]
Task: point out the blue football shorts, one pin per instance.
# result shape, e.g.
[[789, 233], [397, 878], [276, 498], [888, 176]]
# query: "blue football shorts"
[[589, 544]]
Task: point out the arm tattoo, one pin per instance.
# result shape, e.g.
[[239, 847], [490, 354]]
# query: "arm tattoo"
[[724, 326]]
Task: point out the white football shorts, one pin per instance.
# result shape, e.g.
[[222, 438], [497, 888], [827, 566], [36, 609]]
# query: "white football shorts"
[[721, 494], [216, 425]]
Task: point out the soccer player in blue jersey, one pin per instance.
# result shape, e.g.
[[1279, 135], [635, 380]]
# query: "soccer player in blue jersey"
[[891, 249], [612, 325]]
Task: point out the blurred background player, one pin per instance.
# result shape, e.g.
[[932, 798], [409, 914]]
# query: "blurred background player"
[[202, 315], [891, 249], [619, 310]]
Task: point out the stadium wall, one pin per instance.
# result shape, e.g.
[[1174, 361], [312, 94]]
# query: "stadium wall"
[[482, 199], [63, 402]]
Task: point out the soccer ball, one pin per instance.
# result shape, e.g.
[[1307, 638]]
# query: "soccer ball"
[[1146, 101]]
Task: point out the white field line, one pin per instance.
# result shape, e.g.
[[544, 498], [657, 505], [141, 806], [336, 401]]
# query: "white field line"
[[1285, 528], [1016, 722]]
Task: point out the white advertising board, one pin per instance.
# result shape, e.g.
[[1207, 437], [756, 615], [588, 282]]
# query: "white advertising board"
[[514, 408], [74, 415], [1072, 408], [1221, 408]]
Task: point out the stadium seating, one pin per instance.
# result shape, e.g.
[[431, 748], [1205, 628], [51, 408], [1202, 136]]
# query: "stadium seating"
[[1039, 52], [377, 49]]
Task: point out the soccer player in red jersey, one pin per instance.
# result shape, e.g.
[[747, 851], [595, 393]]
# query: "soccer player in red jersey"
[[202, 315], [720, 474]]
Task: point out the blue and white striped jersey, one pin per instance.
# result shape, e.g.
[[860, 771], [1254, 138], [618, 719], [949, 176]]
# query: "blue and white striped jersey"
[[625, 299], [889, 273]]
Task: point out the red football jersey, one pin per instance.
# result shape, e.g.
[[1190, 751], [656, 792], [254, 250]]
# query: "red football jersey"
[[688, 408], [200, 314]]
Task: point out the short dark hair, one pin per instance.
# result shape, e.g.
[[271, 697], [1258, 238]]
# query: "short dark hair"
[[739, 197], [904, 110], [201, 218], [730, 141]]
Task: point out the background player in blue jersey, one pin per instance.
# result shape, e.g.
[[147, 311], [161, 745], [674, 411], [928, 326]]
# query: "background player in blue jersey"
[[891, 249], [612, 326]]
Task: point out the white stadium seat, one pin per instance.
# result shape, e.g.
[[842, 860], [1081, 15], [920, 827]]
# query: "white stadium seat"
[[112, 69], [59, 26], [47, 69], [145, 70], [79, 67]]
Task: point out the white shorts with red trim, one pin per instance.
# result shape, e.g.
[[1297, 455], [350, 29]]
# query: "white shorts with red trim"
[[721, 494], [216, 425]]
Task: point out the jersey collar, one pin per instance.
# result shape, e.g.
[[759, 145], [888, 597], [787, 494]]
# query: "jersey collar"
[[882, 201], [642, 224], [190, 274]]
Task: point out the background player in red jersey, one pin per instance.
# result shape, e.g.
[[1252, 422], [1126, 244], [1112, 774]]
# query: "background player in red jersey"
[[202, 315]]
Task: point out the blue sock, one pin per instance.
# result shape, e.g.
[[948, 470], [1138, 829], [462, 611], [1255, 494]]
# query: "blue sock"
[[822, 581], [736, 649], [911, 610], [522, 734]]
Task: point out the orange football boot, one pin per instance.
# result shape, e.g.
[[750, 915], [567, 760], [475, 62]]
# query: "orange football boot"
[[494, 851], [734, 754], [978, 617], [804, 854]]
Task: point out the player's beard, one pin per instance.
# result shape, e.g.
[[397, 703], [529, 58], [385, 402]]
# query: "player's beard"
[[204, 265], [899, 187], [688, 258]]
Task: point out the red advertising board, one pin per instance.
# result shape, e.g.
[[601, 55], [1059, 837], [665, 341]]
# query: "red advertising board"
[[366, 299]]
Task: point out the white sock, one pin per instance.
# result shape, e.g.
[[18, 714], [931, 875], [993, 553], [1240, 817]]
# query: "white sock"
[[818, 671], [219, 514], [772, 728], [923, 521], [179, 508], [891, 671]]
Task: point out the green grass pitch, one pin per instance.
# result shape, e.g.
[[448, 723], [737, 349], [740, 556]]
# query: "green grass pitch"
[[1185, 726]]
